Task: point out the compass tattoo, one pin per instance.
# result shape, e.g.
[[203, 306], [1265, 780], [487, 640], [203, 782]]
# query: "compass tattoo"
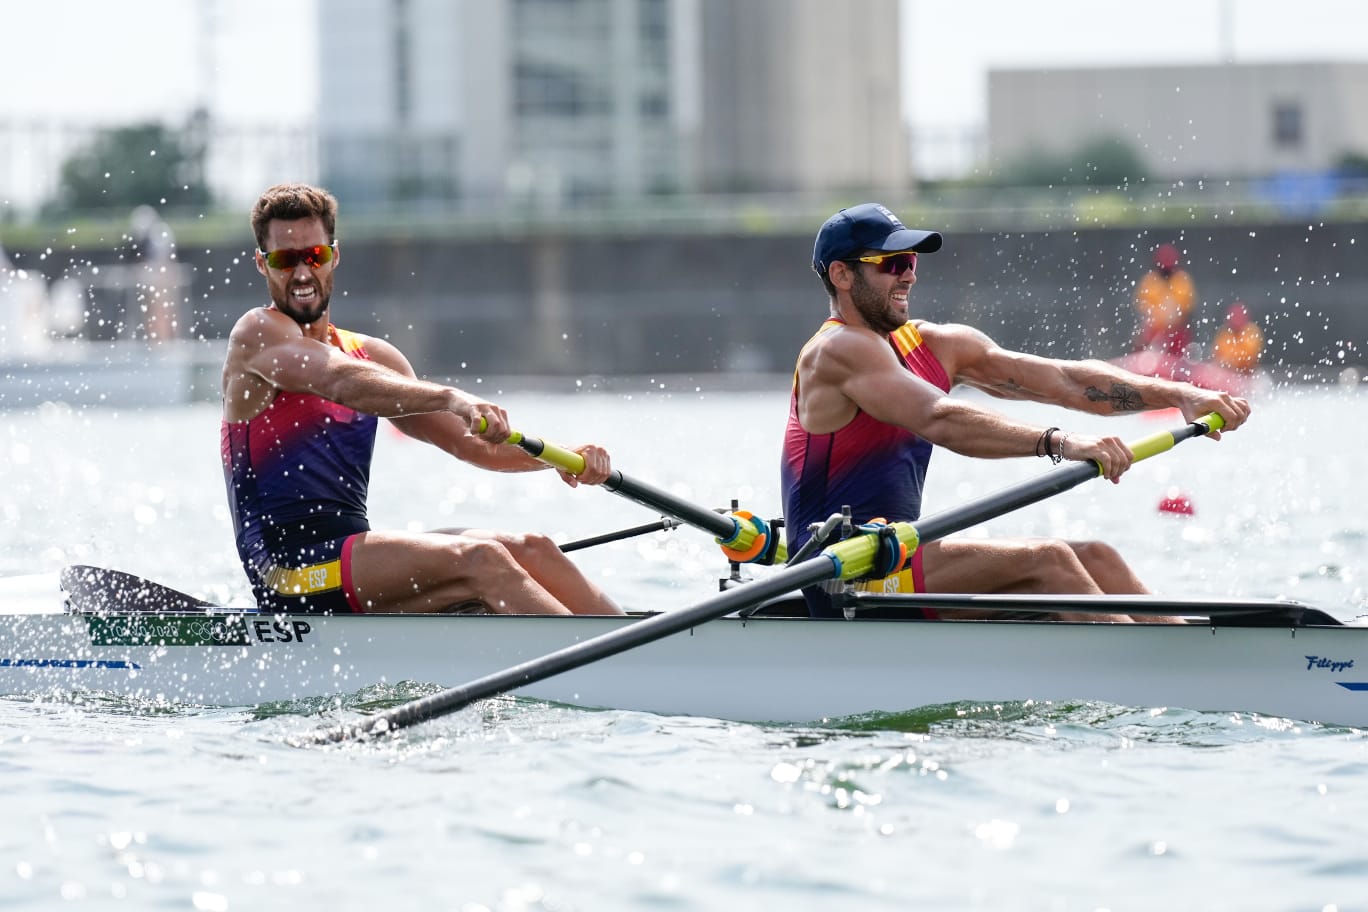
[[1123, 397]]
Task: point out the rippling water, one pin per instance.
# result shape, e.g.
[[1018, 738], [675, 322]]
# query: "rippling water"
[[521, 805]]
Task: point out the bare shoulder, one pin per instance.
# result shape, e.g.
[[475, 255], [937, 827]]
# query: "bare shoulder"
[[962, 350], [257, 333], [842, 351], [384, 352], [260, 327], [958, 335]]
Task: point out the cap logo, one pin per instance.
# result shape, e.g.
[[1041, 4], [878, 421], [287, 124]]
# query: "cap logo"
[[890, 216]]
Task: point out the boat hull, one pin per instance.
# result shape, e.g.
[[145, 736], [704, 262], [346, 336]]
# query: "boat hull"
[[758, 669]]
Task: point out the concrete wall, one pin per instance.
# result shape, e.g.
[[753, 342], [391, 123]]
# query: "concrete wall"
[[578, 306]]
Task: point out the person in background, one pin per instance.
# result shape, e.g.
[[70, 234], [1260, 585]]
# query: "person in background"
[[871, 399], [157, 281], [1239, 342], [301, 399], [1165, 299], [24, 310]]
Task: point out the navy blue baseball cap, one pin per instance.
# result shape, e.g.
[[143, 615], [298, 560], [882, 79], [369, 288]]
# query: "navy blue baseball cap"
[[867, 226]]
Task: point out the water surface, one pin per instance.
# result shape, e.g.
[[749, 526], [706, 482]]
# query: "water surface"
[[516, 805]]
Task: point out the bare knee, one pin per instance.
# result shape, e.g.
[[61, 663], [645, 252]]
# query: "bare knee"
[[481, 557], [1096, 553], [1108, 568], [530, 548], [1058, 568]]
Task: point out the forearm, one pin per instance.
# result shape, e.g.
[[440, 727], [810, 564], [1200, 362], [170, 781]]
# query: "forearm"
[[1105, 389], [504, 457], [376, 390], [451, 435], [973, 431]]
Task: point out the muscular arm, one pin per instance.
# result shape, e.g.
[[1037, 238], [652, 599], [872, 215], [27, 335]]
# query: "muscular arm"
[[450, 433], [856, 369], [446, 430], [268, 352], [1091, 386]]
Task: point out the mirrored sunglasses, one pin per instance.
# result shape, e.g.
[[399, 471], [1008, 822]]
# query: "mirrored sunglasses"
[[289, 258], [892, 263]]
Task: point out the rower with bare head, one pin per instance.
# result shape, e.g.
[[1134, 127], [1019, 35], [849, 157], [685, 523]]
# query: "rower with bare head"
[[871, 397], [301, 399]]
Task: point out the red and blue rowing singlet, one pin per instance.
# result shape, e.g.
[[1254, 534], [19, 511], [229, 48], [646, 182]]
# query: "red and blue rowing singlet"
[[877, 469], [297, 477]]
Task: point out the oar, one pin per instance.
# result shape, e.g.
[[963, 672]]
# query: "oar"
[[846, 560], [737, 533], [99, 590], [660, 525], [1062, 479]]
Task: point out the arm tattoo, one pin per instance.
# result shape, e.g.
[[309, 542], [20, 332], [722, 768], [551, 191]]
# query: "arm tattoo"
[[1123, 397]]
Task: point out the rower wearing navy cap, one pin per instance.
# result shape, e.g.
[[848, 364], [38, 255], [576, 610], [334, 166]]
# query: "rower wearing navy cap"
[[871, 398]]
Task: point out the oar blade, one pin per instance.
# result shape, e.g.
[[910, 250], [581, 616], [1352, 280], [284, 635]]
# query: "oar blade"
[[103, 591]]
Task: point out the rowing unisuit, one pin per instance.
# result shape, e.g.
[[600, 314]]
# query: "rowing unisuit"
[[297, 476], [877, 469]]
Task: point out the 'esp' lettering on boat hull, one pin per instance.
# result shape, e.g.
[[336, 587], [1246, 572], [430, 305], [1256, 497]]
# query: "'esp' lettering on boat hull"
[[280, 631], [1329, 664]]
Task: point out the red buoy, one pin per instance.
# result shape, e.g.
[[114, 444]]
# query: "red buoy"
[[1175, 501]]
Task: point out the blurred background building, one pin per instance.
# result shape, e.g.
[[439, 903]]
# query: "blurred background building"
[[1235, 120], [549, 103], [639, 181]]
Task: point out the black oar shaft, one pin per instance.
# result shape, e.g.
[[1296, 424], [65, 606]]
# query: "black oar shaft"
[[824, 566], [1005, 501], [720, 525], [659, 525], [635, 634], [1034, 490]]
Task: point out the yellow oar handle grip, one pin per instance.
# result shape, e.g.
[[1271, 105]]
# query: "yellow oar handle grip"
[[560, 458], [549, 453], [1166, 440]]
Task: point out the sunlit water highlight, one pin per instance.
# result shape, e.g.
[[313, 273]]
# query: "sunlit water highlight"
[[520, 805]]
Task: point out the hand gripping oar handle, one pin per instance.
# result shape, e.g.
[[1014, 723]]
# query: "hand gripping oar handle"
[[849, 559], [735, 532], [1058, 481]]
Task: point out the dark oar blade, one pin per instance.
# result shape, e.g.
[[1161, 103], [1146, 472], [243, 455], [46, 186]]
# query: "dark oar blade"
[[103, 591]]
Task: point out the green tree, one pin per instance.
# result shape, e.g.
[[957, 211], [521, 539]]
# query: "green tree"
[[1353, 165], [141, 164], [1105, 161]]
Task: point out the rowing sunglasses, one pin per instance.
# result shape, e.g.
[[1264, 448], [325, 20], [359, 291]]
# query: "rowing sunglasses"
[[892, 263], [288, 258]]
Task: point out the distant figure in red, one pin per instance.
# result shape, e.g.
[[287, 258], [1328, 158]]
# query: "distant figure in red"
[[1165, 299]]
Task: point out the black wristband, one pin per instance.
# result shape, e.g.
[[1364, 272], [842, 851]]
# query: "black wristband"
[[1045, 445]]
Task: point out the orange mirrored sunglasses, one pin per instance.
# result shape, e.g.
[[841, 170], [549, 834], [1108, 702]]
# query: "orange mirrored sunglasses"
[[289, 258]]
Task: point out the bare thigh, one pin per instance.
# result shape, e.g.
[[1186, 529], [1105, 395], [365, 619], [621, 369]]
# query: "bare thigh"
[[1039, 566], [1006, 565], [433, 571]]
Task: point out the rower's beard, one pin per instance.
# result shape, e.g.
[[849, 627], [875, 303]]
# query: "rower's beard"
[[304, 316], [877, 310]]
